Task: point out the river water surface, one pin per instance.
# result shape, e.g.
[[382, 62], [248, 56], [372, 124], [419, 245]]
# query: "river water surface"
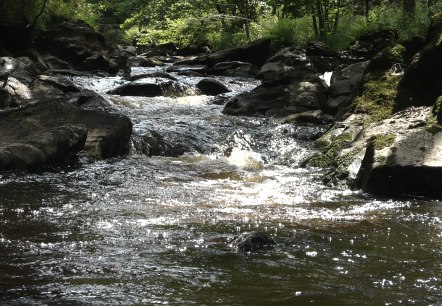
[[156, 230]]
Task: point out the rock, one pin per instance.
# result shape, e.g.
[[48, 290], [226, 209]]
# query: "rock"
[[21, 68], [45, 86], [182, 69], [314, 117], [14, 93], [367, 45], [235, 69], [255, 52], [97, 61], [279, 100], [50, 131], [346, 81], [76, 43], [318, 48], [252, 242], [403, 157], [211, 87], [157, 74], [146, 89], [90, 100], [23, 145], [422, 81], [287, 64], [141, 61], [53, 62]]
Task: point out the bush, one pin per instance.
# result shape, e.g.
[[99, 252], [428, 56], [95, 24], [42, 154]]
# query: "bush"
[[289, 32]]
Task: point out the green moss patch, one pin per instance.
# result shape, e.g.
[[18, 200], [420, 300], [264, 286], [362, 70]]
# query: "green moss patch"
[[378, 96], [329, 152], [383, 141]]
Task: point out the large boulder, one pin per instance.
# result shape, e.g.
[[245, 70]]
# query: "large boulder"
[[50, 131], [76, 43], [21, 68], [290, 85], [399, 156], [235, 68], [422, 81], [368, 45], [278, 100], [45, 86], [255, 52]]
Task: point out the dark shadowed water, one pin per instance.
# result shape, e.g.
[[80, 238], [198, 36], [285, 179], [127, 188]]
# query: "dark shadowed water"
[[157, 230]]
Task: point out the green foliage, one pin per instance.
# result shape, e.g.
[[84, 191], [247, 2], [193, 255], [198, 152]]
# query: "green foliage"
[[392, 17], [329, 153], [288, 32]]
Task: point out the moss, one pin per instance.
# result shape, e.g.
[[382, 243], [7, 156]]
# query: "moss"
[[383, 141], [328, 155], [378, 96], [340, 172], [434, 120]]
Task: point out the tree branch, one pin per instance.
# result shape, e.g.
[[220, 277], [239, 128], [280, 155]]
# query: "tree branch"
[[39, 14]]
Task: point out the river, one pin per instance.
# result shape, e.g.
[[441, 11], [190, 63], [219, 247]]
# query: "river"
[[157, 230]]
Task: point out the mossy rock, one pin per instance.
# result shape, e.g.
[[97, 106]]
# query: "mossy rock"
[[385, 59], [383, 141], [330, 152], [378, 96], [437, 110]]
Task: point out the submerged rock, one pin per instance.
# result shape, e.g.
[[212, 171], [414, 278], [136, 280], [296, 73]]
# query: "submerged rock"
[[252, 242]]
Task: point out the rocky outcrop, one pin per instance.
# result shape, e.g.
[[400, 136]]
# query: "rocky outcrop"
[[368, 45], [290, 85], [235, 68], [238, 61], [77, 44], [52, 131], [422, 81]]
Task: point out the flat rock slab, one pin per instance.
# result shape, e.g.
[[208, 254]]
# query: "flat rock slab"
[[52, 131]]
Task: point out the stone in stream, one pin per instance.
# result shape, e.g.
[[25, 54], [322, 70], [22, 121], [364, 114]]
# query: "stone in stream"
[[53, 131], [211, 87], [254, 241]]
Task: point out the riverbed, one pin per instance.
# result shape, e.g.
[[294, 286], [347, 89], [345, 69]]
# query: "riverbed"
[[157, 230]]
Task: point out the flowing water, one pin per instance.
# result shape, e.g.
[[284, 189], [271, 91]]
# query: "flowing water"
[[157, 230]]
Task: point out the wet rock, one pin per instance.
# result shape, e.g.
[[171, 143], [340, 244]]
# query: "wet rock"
[[90, 100], [318, 48], [211, 87], [278, 100], [189, 69], [147, 89], [236, 69], [157, 74], [314, 117], [49, 131], [45, 86], [24, 145], [252, 242]]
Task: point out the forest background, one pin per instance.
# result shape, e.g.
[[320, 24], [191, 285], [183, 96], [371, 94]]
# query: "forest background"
[[220, 24]]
